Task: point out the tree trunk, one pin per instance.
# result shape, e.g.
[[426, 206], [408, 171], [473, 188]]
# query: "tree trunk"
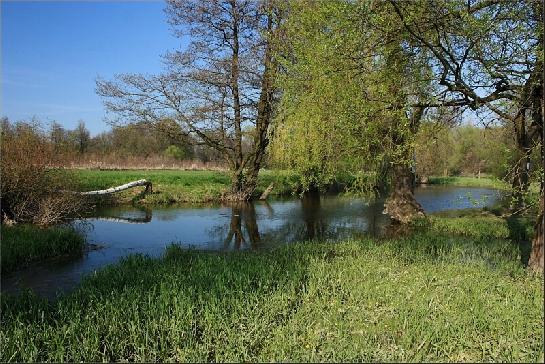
[[311, 205], [247, 171], [401, 204], [536, 256], [521, 172], [235, 229], [235, 74], [538, 113], [242, 212]]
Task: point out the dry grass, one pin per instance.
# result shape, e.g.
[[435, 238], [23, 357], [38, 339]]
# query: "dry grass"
[[112, 162]]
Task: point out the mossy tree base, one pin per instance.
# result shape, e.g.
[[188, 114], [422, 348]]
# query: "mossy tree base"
[[402, 205]]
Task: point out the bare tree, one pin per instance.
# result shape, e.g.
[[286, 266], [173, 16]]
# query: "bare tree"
[[218, 88], [82, 137]]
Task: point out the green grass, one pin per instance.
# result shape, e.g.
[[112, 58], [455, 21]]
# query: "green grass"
[[172, 186], [435, 295], [470, 182], [23, 244]]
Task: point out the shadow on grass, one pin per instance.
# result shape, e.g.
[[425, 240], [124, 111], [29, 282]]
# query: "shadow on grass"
[[518, 234]]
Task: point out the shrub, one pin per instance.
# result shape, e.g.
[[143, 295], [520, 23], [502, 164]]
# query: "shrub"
[[174, 152], [31, 191]]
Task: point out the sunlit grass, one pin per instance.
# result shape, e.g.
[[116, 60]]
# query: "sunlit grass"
[[172, 186], [176, 186], [490, 182], [442, 294]]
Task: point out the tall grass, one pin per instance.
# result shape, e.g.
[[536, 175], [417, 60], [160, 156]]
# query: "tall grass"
[[23, 244], [430, 296]]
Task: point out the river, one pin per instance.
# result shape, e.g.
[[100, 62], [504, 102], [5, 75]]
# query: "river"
[[113, 233]]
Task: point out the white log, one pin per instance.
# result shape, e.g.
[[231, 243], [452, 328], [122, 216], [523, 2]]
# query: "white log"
[[126, 186], [266, 192]]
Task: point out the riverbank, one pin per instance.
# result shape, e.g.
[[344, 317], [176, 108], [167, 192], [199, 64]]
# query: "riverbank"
[[24, 244], [453, 291], [179, 186], [470, 182]]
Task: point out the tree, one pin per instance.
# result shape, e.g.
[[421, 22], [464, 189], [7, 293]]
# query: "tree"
[[487, 54], [59, 137], [174, 152], [351, 78], [220, 84], [82, 137]]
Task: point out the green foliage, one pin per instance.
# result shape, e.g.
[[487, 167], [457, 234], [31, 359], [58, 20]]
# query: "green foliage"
[[174, 152], [23, 244], [345, 92], [466, 150], [431, 296], [143, 140]]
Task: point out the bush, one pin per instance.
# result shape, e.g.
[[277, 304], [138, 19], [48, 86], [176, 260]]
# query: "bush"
[[31, 191], [174, 152]]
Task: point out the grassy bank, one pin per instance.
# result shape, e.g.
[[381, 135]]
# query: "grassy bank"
[[23, 244], [435, 295], [177, 186], [470, 182], [171, 186]]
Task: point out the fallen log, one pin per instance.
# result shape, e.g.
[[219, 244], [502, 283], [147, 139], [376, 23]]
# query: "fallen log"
[[266, 192], [126, 186]]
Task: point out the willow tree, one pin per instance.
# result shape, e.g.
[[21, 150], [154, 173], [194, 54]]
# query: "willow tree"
[[351, 79], [216, 88]]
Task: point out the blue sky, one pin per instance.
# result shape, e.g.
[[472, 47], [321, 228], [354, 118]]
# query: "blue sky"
[[52, 52]]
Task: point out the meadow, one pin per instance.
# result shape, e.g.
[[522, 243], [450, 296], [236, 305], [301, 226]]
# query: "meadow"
[[464, 181], [453, 290], [181, 186], [177, 186]]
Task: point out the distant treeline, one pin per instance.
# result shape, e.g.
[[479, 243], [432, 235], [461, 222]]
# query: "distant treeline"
[[136, 144], [440, 151], [466, 150]]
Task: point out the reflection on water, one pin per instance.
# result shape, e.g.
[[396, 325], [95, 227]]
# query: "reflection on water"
[[258, 225], [242, 215]]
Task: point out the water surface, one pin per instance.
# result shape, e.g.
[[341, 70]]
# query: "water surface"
[[121, 231]]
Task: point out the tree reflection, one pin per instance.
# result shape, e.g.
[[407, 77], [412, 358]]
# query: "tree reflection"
[[316, 227], [242, 216], [376, 219]]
